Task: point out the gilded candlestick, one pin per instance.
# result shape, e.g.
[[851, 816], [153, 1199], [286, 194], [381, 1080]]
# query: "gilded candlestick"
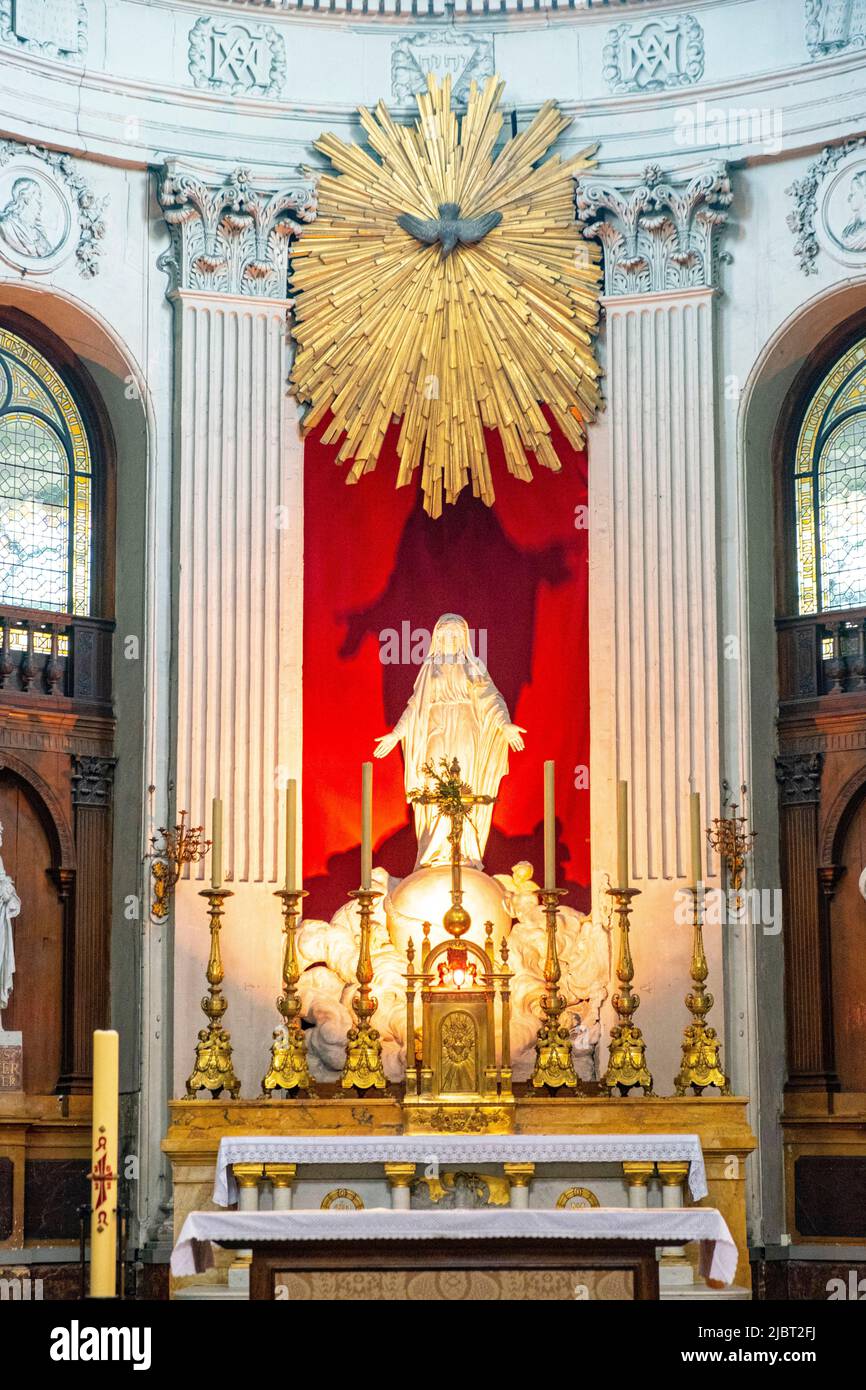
[[213, 1070], [627, 1067], [363, 1066], [554, 1066], [289, 1069], [701, 1063]]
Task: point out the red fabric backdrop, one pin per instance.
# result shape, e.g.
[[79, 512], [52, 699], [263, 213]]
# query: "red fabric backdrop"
[[374, 561]]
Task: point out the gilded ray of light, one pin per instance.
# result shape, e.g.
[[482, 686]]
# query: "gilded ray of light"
[[389, 328]]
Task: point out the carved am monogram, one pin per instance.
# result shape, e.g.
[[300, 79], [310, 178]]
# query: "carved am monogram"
[[658, 55], [237, 58]]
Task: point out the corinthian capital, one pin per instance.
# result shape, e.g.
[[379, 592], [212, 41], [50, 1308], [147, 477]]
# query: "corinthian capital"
[[657, 235], [231, 235]]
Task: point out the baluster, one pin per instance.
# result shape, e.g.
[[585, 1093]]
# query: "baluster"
[[28, 664], [837, 666], [858, 661], [5, 659], [53, 671]]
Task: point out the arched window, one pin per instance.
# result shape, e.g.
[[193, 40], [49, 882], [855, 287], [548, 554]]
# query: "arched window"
[[830, 489], [45, 486]]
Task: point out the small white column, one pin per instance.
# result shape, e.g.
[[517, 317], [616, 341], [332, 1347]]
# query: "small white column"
[[675, 1271], [400, 1177], [519, 1176], [248, 1176], [281, 1176], [637, 1176]]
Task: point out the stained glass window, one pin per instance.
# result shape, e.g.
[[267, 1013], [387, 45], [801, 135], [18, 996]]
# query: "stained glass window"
[[830, 489], [45, 486]]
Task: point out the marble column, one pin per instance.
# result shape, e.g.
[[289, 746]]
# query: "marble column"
[[238, 550], [654, 642]]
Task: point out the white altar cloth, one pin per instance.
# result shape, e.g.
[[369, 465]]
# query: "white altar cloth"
[[662, 1226], [452, 1148]]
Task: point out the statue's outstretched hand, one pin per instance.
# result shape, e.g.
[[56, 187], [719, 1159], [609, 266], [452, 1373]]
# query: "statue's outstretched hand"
[[512, 734], [385, 744]]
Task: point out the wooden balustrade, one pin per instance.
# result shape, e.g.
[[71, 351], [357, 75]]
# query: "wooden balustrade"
[[54, 655], [822, 655]]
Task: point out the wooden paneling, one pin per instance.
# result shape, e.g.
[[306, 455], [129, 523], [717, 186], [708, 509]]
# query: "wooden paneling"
[[36, 1003], [848, 957]]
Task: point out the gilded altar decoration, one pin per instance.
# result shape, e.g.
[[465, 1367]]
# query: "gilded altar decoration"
[[459, 1080], [701, 1063], [182, 845], [342, 1199], [554, 1066], [577, 1199], [214, 1070], [448, 286], [627, 1065], [363, 1065], [288, 1070]]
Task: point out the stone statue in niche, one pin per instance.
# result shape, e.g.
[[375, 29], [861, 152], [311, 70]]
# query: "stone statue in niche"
[[10, 906], [454, 711]]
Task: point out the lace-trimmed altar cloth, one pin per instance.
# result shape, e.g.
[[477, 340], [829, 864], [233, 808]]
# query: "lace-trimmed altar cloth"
[[452, 1148], [663, 1226]]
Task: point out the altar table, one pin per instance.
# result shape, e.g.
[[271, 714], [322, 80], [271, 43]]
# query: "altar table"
[[382, 1253], [450, 1148]]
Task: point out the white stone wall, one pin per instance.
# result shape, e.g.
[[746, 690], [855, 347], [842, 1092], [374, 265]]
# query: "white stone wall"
[[117, 84]]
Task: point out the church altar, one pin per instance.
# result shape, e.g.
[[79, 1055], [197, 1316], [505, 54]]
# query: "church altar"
[[438, 1050], [593, 1240], [537, 1151]]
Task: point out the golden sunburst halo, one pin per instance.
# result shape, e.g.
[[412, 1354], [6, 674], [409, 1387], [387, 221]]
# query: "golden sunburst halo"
[[395, 324]]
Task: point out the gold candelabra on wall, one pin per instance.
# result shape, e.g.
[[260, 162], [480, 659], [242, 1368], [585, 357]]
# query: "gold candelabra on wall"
[[182, 845], [730, 837]]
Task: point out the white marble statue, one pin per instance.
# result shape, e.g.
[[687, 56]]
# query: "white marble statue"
[[454, 711], [10, 906]]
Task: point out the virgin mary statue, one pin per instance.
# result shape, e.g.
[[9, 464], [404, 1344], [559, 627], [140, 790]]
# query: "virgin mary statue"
[[454, 711], [10, 906]]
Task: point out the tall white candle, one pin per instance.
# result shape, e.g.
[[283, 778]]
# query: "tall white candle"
[[366, 825], [216, 860], [103, 1165], [695, 826], [291, 833], [550, 824], [622, 835]]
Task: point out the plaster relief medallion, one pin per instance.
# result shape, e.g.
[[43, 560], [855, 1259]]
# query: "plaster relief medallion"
[[465, 58], [51, 28], [342, 1199], [242, 59], [841, 222], [38, 219], [577, 1198], [656, 56]]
